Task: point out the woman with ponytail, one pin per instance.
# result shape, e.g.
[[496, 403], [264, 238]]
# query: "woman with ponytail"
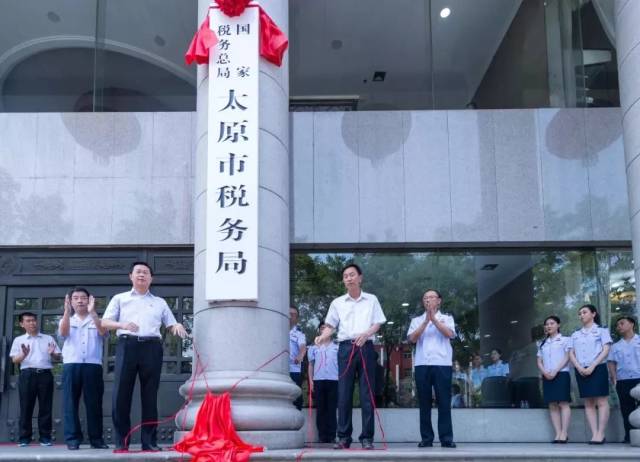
[[553, 363], [589, 350]]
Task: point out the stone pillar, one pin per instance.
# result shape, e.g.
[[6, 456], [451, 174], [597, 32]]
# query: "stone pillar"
[[233, 339], [627, 18]]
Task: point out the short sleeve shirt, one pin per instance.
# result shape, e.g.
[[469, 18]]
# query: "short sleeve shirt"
[[84, 343], [38, 356], [325, 361], [553, 351], [500, 369], [296, 341], [477, 376], [353, 317], [589, 343], [626, 356], [433, 348], [147, 311]]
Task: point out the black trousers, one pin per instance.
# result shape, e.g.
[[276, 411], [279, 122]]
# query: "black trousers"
[[325, 395], [142, 359], [297, 378], [35, 384], [437, 378], [627, 402], [346, 381], [86, 380]]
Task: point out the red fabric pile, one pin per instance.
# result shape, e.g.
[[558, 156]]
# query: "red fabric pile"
[[214, 438]]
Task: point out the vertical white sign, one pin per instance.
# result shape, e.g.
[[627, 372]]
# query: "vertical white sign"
[[232, 162]]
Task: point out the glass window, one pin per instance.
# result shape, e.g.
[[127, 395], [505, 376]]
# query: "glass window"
[[451, 54], [499, 301], [76, 56]]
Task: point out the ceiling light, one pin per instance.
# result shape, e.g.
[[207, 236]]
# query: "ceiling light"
[[515, 321], [390, 323], [379, 76], [405, 304], [445, 12], [487, 335]]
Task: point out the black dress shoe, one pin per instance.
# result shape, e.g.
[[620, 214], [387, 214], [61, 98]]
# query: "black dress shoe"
[[602, 441], [73, 446], [425, 444], [342, 443], [152, 448], [448, 444], [99, 445], [367, 444]]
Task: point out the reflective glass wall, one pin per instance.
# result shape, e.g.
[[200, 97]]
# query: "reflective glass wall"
[[499, 300], [452, 54], [96, 55]]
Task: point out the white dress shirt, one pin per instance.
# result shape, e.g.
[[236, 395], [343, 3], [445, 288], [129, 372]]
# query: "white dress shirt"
[[589, 343], [353, 317], [433, 348], [626, 356], [38, 356], [147, 311], [553, 351], [84, 343]]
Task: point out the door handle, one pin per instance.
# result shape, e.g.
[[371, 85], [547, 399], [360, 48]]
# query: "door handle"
[[3, 363]]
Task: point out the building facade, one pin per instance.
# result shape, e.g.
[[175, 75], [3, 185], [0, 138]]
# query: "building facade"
[[486, 149]]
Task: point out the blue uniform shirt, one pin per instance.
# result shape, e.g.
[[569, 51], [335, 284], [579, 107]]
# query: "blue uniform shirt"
[[296, 340], [589, 343], [626, 356], [500, 369], [325, 361]]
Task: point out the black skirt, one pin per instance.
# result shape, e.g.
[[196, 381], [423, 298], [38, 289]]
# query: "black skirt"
[[557, 390], [595, 385]]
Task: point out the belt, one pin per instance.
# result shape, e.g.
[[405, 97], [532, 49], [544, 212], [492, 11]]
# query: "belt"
[[351, 341], [136, 338], [35, 369]]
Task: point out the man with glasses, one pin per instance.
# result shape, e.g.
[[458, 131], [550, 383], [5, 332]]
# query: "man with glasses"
[[83, 335], [432, 333]]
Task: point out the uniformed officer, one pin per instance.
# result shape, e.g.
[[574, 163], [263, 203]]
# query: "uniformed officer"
[[323, 380], [34, 352], [83, 336], [357, 316], [137, 315], [588, 352], [553, 363], [297, 351], [624, 368], [432, 333]]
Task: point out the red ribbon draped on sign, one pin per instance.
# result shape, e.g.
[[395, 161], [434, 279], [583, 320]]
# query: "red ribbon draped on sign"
[[214, 438], [273, 42]]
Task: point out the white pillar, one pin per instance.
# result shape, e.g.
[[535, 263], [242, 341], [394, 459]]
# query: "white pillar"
[[234, 338], [627, 14]]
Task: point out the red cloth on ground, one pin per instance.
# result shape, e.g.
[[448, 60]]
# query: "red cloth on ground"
[[214, 438], [202, 41], [273, 42]]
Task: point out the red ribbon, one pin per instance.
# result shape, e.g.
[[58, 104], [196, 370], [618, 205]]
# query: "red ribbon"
[[273, 42]]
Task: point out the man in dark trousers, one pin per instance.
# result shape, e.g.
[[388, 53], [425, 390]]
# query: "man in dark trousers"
[[432, 333], [357, 316], [137, 315], [34, 351], [83, 335]]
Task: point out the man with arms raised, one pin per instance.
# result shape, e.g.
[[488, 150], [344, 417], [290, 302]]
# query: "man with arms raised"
[[432, 333], [357, 316], [137, 315]]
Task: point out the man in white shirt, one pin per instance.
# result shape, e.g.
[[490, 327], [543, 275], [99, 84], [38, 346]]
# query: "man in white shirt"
[[33, 351], [137, 316], [83, 335], [357, 316], [432, 333], [297, 351]]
